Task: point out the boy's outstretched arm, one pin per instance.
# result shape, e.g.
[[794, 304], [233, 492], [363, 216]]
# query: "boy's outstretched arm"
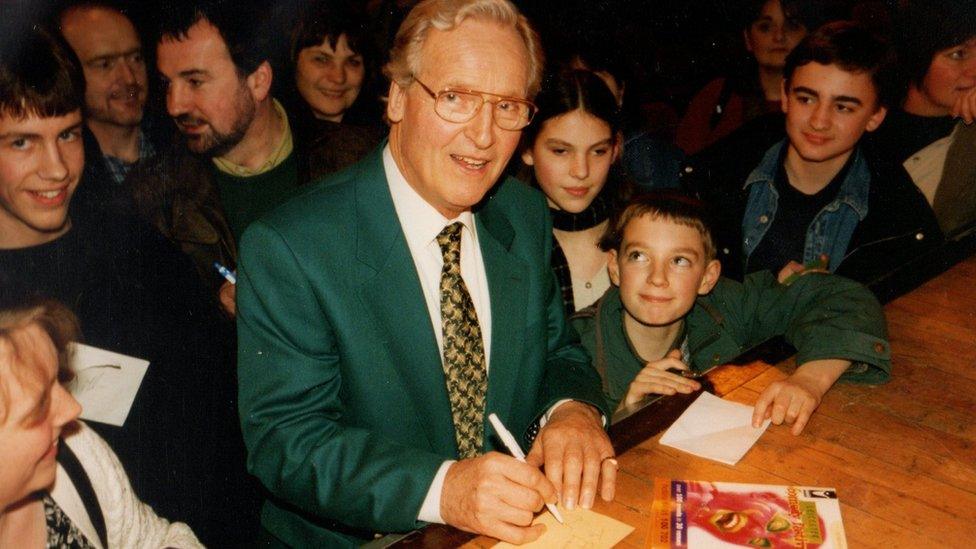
[[794, 399]]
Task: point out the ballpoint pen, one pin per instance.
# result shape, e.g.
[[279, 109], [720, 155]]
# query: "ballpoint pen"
[[225, 272], [513, 447]]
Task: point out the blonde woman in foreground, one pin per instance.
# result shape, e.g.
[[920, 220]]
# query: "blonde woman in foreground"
[[60, 483]]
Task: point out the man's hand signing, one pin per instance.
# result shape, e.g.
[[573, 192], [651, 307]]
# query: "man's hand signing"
[[496, 495]]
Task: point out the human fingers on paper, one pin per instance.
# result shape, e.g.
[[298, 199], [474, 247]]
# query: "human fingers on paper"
[[573, 446], [495, 495], [792, 401]]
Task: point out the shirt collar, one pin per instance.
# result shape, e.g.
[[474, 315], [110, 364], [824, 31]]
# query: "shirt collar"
[[281, 152], [425, 222], [766, 170], [146, 150], [853, 191]]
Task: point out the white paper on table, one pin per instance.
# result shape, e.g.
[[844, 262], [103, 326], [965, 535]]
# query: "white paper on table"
[[105, 383], [715, 429]]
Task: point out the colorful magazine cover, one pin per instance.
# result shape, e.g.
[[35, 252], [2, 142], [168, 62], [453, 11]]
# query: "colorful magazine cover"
[[695, 515]]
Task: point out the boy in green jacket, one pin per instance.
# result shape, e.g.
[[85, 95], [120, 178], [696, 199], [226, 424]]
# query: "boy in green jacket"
[[670, 314]]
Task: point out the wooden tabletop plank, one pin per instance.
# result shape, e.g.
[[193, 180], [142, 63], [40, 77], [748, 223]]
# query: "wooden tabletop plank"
[[868, 530], [902, 456], [922, 450], [869, 483]]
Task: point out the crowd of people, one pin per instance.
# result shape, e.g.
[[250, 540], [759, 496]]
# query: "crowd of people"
[[341, 246]]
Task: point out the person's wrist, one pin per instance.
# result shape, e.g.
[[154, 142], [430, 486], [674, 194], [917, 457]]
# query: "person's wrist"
[[819, 376], [576, 408]]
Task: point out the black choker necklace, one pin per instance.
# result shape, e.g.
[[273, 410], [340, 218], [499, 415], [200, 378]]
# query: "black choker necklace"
[[596, 213]]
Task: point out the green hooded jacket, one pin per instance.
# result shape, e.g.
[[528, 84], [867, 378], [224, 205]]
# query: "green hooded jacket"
[[821, 315]]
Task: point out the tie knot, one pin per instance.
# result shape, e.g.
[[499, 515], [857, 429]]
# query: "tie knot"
[[450, 242]]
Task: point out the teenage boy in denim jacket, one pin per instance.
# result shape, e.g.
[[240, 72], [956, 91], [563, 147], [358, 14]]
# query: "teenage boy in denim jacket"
[[669, 311], [819, 197]]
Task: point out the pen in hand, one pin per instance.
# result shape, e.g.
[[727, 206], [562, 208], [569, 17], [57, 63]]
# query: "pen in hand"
[[513, 448], [225, 272]]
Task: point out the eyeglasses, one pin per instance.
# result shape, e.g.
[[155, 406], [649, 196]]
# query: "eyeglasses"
[[461, 105]]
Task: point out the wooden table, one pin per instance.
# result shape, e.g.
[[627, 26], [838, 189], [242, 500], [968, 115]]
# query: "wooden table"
[[902, 455]]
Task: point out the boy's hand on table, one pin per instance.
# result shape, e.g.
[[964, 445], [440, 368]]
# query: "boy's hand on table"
[[793, 270], [655, 379], [793, 400]]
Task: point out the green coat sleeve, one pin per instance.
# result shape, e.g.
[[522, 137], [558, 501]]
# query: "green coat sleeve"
[[291, 406], [822, 315]]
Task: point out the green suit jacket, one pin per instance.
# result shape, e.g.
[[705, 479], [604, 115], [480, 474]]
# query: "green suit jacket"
[[343, 402]]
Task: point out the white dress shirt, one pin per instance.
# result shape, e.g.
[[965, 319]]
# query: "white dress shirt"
[[421, 224]]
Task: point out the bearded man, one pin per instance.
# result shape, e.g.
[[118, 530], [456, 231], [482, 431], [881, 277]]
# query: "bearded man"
[[238, 159]]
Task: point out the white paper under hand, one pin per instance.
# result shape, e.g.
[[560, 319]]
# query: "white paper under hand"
[[715, 429], [105, 383]]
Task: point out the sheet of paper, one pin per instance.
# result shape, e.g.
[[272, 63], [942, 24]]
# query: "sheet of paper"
[[583, 529], [715, 429], [105, 383]]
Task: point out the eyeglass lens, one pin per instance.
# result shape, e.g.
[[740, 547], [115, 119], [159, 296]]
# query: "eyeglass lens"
[[458, 106]]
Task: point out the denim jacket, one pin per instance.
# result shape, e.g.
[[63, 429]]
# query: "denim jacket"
[[831, 229]]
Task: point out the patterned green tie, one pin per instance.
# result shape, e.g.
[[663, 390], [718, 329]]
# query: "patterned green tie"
[[464, 352]]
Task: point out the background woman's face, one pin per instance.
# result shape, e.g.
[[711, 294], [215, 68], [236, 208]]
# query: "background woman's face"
[[571, 156], [34, 408], [951, 75], [329, 79], [771, 37]]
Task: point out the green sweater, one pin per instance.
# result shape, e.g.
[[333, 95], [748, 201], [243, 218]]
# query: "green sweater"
[[823, 316], [246, 199]]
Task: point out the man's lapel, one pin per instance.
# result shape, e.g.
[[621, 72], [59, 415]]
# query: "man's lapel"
[[391, 294], [508, 291]]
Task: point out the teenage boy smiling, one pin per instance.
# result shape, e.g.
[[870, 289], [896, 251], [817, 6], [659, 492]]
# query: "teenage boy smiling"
[[132, 292], [820, 193], [669, 309]]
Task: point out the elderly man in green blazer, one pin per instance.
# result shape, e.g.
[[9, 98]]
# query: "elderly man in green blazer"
[[384, 313]]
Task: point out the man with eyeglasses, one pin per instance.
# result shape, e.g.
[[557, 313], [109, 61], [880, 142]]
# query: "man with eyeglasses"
[[386, 312]]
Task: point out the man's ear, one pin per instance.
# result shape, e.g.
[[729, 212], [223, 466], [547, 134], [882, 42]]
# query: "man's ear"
[[617, 149], [613, 268], [712, 273], [528, 158], [259, 81], [876, 119], [396, 105]]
